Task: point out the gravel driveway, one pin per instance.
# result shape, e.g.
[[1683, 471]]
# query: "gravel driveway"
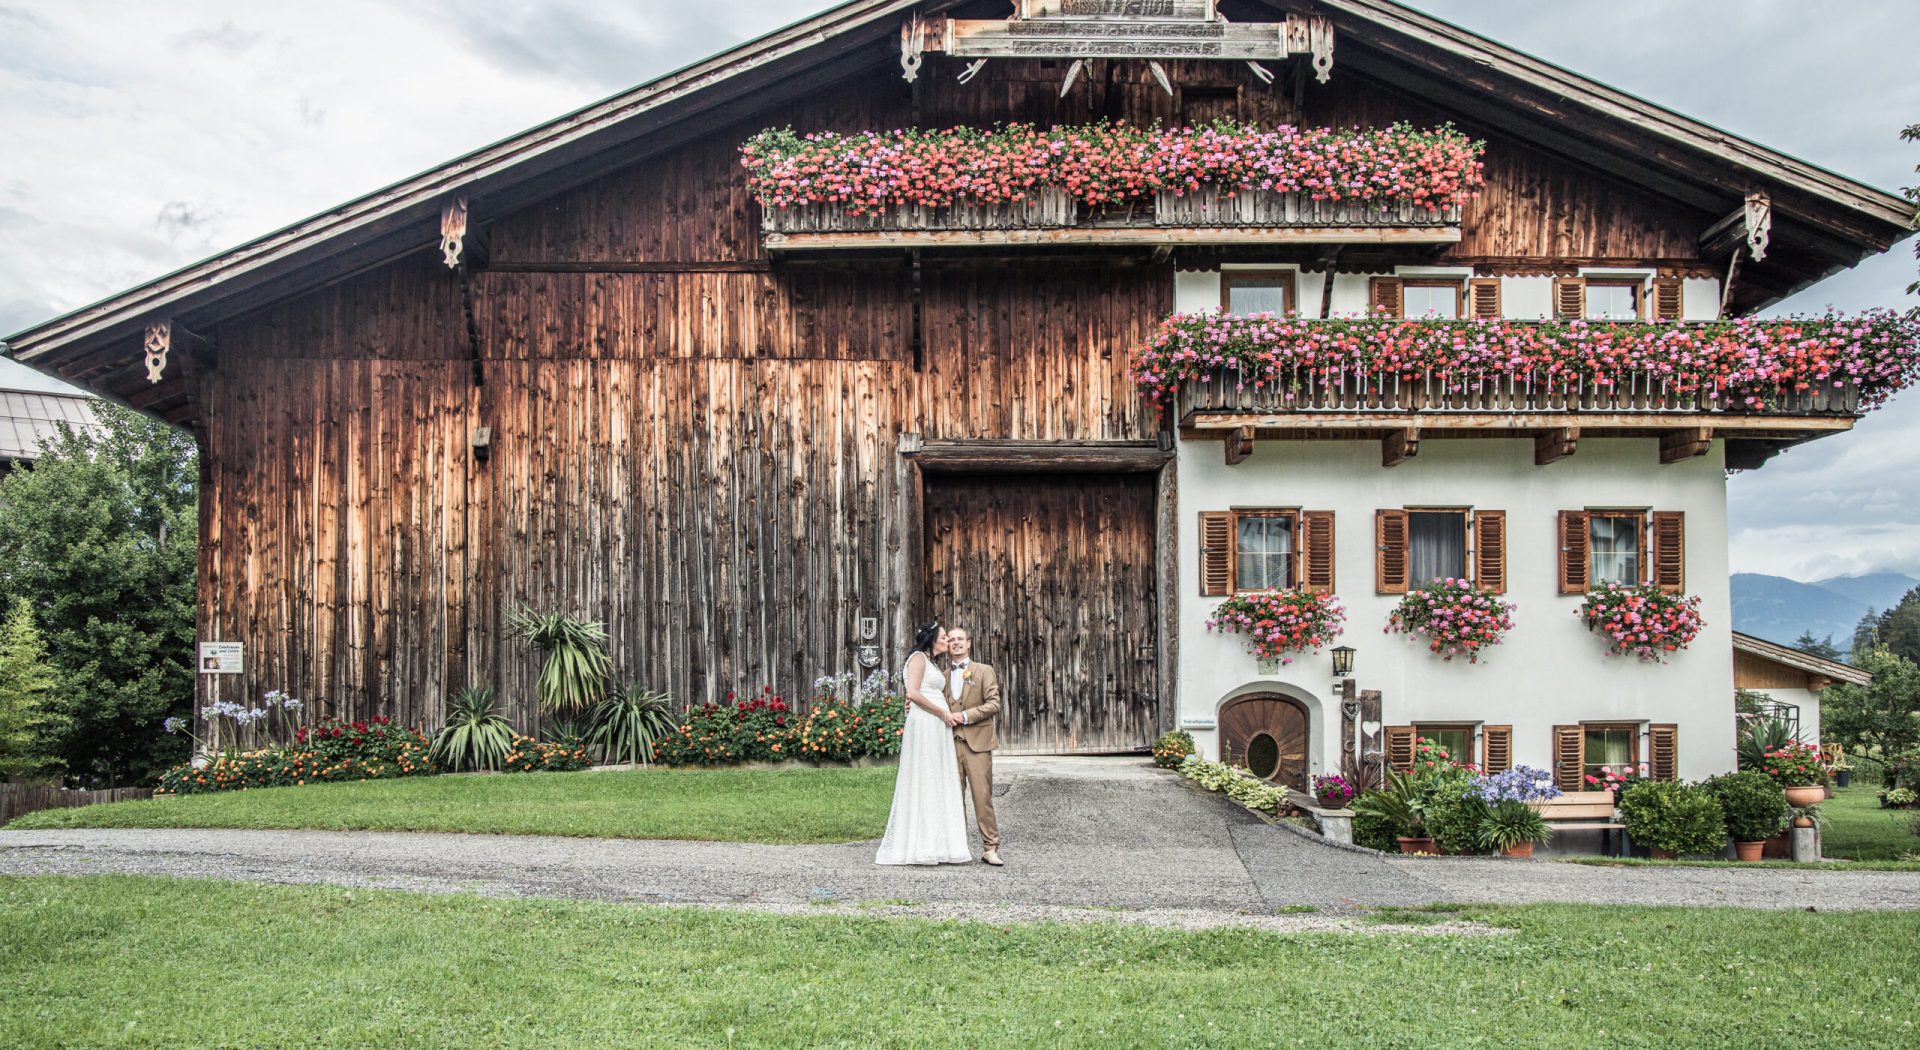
[[1083, 837]]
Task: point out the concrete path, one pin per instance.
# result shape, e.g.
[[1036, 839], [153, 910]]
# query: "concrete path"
[[1081, 836]]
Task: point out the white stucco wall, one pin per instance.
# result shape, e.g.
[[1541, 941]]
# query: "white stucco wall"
[[1549, 671], [1521, 298]]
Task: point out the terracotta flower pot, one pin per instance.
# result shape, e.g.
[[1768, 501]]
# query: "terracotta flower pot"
[[1803, 822], [1408, 845], [1662, 854], [1523, 850], [1749, 851], [1802, 797]]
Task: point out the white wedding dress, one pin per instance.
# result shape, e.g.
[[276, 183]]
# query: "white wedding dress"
[[928, 823]]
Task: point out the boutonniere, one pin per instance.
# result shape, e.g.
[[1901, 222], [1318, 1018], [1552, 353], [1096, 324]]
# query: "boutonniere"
[[967, 675]]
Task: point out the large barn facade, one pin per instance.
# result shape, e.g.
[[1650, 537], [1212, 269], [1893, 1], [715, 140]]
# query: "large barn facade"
[[585, 370]]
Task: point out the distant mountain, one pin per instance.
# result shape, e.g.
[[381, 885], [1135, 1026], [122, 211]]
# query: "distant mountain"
[[1879, 590], [1780, 610]]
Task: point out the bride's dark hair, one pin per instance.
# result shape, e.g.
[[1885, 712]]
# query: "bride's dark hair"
[[924, 639]]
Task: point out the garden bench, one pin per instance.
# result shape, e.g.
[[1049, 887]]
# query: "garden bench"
[[1583, 811]]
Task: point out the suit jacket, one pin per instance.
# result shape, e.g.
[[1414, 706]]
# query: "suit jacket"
[[979, 701]]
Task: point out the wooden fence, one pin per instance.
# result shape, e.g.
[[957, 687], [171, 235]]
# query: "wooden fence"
[[18, 800]]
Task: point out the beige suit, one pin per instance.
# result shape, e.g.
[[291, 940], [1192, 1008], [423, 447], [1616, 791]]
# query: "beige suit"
[[975, 696]]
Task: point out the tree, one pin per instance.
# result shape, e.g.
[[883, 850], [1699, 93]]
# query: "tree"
[[1820, 647], [28, 722], [99, 537], [1899, 627], [1912, 134], [1881, 719]]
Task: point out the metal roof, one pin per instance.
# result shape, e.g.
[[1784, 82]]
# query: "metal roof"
[[29, 418]]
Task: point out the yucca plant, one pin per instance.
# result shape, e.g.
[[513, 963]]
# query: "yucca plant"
[[628, 723], [475, 736], [567, 732], [577, 664]]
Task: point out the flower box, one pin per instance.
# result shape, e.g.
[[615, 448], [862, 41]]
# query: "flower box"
[[1234, 206], [1047, 209]]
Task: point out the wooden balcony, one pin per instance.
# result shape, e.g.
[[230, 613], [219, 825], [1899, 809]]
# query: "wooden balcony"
[[1053, 218], [1400, 412]]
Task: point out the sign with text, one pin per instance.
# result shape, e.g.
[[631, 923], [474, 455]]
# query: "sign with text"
[[222, 657]]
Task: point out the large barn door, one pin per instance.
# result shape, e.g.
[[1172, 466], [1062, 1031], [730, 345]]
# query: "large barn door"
[[1054, 577]]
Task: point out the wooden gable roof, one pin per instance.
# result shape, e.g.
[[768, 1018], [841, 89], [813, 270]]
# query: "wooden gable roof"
[[1760, 664], [1823, 222]]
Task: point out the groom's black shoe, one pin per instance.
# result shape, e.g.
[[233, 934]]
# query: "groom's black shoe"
[[992, 857]]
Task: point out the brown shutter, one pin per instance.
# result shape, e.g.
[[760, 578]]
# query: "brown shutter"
[[1569, 298], [1669, 299], [1216, 553], [1570, 757], [1390, 546], [1384, 296], [1400, 748], [1483, 298], [1490, 550], [1669, 551], [1316, 540], [1497, 742], [1664, 743], [1573, 552]]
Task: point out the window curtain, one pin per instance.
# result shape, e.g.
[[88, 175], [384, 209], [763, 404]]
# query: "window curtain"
[[1616, 550], [1266, 554], [1257, 298], [1437, 545]]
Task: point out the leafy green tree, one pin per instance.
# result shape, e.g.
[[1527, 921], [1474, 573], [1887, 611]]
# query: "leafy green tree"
[[28, 723], [1912, 134], [1881, 719], [100, 538], [1899, 627], [1820, 647]]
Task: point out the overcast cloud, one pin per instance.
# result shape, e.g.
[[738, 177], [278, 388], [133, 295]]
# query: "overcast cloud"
[[137, 137]]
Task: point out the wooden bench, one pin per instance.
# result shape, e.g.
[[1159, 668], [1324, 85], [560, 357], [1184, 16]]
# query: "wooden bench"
[[1583, 811]]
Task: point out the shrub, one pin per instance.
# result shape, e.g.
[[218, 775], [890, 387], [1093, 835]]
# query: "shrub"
[[475, 737], [831, 732], [28, 720], [377, 739], [768, 728], [1519, 784], [1457, 618], [883, 719], [708, 736], [575, 671], [1373, 829], [1509, 823], [1453, 811], [627, 723], [1683, 819], [1899, 797], [526, 755], [383, 752], [1172, 749], [1753, 807], [1236, 783]]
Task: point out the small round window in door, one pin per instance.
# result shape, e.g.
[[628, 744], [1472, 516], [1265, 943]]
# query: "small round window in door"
[[1267, 734]]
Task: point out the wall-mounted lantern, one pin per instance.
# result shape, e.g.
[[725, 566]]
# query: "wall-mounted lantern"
[[1342, 661]]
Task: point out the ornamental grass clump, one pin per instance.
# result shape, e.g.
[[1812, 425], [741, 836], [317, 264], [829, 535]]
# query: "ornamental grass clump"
[[1456, 617], [1110, 164], [1639, 621], [1674, 818], [1281, 623]]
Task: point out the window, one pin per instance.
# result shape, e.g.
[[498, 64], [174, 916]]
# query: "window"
[[1614, 546], [1609, 744], [1457, 739], [1613, 300], [1263, 550], [1437, 545], [1430, 299], [1257, 292]]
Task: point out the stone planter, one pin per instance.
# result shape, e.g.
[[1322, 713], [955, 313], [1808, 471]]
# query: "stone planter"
[[1802, 797], [1749, 851]]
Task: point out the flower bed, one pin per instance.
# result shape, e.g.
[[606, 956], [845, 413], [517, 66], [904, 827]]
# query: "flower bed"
[[865, 722], [1743, 363], [1280, 623], [330, 751], [1457, 618], [1238, 784], [1102, 164], [1642, 621]]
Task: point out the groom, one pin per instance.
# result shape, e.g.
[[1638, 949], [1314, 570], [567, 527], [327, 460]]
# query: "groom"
[[975, 692]]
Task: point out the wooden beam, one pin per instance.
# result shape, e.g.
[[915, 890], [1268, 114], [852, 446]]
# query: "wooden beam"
[[1555, 445], [1239, 445], [1524, 424], [1113, 238], [1399, 446], [1033, 457], [1686, 444]]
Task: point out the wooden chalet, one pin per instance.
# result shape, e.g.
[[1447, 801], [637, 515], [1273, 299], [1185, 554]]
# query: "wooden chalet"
[[584, 370]]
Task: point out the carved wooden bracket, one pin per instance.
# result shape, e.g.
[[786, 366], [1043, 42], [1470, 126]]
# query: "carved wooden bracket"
[[158, 341], [1239, 445], [1759, 214], [1751, 228], [1681, 445], [1555, 445], [1399, 446], [453, 230]]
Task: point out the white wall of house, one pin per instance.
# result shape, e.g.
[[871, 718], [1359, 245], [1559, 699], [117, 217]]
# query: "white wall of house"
[[1521, 298], [1807, 701], [1549, 671]]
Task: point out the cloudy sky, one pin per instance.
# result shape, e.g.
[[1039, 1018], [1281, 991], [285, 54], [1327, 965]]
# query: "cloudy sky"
[[136, 137]]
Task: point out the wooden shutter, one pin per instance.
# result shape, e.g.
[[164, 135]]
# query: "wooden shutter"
[[1400, 748], [1497, 743], [1669, 299], [1490, 550], [1384, 297], [1573, 552], [1569, 298], [1570, 757], [1216, 553], [1669, 551], [1483, 298], [1316, 551], [1391, 563], [1663, 741]]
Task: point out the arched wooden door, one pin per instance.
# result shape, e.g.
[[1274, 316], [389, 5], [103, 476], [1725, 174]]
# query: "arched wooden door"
[[1266, 733]]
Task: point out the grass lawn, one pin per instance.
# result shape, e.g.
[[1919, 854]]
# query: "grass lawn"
[[116, 960], [783, 806], [1858, 829]]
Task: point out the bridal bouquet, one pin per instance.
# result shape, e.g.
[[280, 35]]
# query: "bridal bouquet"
[[1281, 623], [1457, 618]]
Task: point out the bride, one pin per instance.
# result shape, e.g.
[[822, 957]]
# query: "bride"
[[928, 824]]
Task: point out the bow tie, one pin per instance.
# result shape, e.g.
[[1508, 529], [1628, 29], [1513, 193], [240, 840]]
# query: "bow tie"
[[962, 665]]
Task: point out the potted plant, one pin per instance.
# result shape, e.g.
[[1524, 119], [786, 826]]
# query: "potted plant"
[[1397, 808], [1333, 791], [1513, 821], [1457, 618], [1281, 624], [1672, 819], [1842, 773], [1753, 807], [1641, 621], [1796, 768], [1172, 749]]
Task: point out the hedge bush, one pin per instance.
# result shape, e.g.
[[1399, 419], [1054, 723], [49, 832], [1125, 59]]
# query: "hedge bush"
[[1683, 819], [1752, 805], [1172, 749]]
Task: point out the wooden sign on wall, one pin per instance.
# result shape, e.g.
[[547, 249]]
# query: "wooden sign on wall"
[[1136, 29]]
